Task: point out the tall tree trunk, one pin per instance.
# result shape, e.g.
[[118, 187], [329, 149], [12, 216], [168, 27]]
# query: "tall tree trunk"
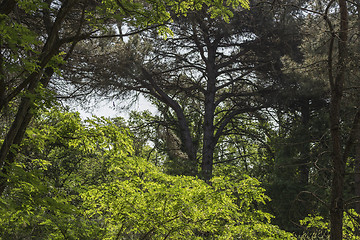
[[357, 141], [337, 185], [209, 129], [338, 160]]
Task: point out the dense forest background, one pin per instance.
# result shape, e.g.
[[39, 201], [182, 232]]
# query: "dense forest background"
[[256, 133]]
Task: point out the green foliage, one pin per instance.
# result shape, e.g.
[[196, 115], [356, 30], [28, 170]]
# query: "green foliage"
[[143, 203], [81, 180], [42, 199], [159, 143], [19, 42], [319, 228], [155, 12]]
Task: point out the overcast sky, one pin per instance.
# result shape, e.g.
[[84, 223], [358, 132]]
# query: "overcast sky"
[[113, 109]]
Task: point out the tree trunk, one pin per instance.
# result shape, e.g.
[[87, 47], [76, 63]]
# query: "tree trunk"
[[209, 138], [15, 126], [18, 128], [338, 160], [337, 185], [357, 140], [357, 170]]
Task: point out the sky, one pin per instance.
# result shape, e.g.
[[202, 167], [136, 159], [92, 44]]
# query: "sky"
[[113, 109]]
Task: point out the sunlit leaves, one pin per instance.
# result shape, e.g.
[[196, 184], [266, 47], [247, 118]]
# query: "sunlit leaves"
[[143, 202], [82, 180], [54, 166], [158, 12]]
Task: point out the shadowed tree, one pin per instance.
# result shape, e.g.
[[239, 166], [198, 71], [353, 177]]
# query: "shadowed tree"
[[219, 70], [37, 37]]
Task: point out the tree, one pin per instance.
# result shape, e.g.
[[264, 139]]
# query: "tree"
[[343, 125], [208, 67], [39, 36], [36, 61]]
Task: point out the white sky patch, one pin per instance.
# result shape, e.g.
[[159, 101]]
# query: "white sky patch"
[[111, 109]]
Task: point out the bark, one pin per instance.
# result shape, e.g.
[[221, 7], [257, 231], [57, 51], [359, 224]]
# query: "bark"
[[337, 185], [357, 169], [16, 124], [357, 141], [18, 128], [209, 105], [338, 160]]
